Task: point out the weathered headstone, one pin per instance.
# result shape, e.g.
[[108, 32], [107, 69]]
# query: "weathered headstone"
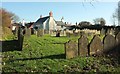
[[118, 42], [109, 43], [47, 31], [28, 32], [20, 38], [90, 34], [71, 49], [108, 31], [58, 33], [16, 31], [83, 46], [96, 45], [76, 33], [40, 32], [63, 33], [118, 38], [67, 34], [50, 32], [35, 32], [111, 31], [32, 31], [103, 31], [82, 33]]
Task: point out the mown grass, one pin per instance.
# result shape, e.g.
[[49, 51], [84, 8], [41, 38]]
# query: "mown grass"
[[47, 54]]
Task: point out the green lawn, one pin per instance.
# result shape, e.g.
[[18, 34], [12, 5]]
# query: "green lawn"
[[47, 54]]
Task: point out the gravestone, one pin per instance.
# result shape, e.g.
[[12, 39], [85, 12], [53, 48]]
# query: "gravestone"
[[118, 42], [103, 31], [96, 45], [116, 31], [109, 43], [58, 33], [71, 49], [28, 32], [90, 34], [118, 38], [16, 31], [50, 32], [32, 31], [76, 33], [46, 31], [83, 46], [67, 34], [35, 32], [111, 31], [40, 32], [82, 33], [63, 33], [20, 38], [108, 32]]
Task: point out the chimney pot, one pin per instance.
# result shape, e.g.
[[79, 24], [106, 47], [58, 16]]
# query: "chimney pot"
[[50, 14], [40, 16]]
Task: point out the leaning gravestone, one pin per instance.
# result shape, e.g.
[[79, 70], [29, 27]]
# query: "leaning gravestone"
[[40, 32], [96, 45], [83, 46], [109, 43], [20, 38], [102, 32], [71, 49]]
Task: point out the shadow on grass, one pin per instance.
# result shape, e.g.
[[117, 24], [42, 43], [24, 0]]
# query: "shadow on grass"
[[11, 45], [59, 56]]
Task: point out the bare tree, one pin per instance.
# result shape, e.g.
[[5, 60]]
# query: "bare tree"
[[100, 21], [6, 17]]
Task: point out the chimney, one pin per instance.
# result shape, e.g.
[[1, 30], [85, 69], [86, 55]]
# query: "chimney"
[[23, 22], [40, 16], [62, 19], [50, 14]]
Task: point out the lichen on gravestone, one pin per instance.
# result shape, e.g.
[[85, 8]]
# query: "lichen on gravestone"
[[71, 49]]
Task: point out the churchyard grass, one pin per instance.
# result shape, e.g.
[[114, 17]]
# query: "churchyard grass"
[[47, 54]]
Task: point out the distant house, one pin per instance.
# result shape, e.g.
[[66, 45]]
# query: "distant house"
[[48, 24], [60, 25], [29, 25]]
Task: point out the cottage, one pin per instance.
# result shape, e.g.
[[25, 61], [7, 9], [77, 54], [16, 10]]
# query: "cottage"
[[60, 25], [48, 24]]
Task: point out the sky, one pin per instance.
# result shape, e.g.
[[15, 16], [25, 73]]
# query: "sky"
[[71, 11]]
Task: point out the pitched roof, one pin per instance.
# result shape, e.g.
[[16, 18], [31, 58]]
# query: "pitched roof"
[[41, 20], [59, 23]]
